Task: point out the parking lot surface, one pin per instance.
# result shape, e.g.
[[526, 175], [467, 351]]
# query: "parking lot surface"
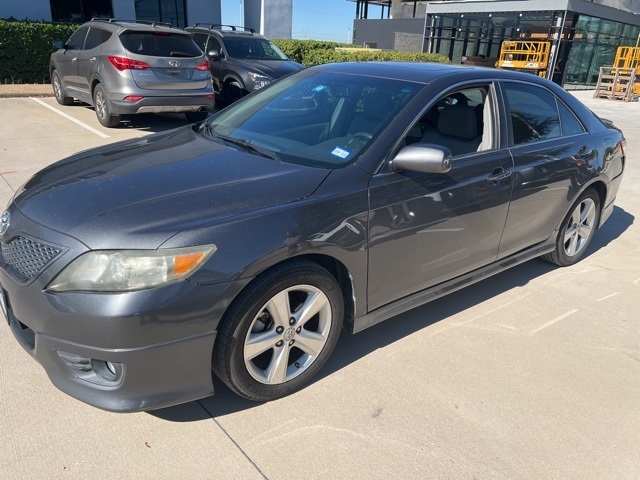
[[533, 373]]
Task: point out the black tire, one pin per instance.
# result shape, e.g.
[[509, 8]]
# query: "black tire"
[[58, 90], [253, 318], [577, 230], [233, 91], [194, 117], [103, 109]]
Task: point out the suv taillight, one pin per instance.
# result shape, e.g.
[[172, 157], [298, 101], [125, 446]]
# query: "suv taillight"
[[124, 63], [204, 66]]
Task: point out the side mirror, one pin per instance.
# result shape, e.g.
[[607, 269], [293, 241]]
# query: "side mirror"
[[58, 44], [214, 54], [423, 157]]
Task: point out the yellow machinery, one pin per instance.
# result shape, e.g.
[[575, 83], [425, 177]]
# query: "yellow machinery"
[[629, 57], [525, 55]]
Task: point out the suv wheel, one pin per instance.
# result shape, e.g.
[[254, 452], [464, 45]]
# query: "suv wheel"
[[103, 111], [233, 91], [58, 90]]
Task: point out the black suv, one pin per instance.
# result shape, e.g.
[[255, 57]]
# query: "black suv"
[[241, 59]]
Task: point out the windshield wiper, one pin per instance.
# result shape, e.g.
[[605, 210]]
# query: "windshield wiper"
[[247, 145], [180, 54]]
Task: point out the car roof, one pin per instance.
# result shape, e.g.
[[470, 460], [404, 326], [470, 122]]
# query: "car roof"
[[425, 72], [225, 30], [115, 24]]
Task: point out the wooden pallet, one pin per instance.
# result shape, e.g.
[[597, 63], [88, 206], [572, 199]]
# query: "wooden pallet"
[[616, 83]]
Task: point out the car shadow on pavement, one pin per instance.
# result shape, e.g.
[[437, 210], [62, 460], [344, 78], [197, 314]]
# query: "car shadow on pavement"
[[147, 122], [351, 348]]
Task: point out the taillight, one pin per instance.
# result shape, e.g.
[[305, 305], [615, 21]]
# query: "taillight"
[[124, 63], [204, 66]]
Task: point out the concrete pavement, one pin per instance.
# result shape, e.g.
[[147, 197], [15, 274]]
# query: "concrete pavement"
[[534, 373]]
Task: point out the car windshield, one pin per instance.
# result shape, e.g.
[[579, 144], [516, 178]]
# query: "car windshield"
[[253, 49], [159, 44], [319, 119]]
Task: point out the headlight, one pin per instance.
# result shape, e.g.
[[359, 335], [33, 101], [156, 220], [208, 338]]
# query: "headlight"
[[129, 270], [259, 80]]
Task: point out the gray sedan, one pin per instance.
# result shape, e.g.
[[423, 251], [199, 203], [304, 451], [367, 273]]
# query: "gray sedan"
[[335, 198]]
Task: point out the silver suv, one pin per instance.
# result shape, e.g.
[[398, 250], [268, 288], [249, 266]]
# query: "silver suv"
[[127, 67]]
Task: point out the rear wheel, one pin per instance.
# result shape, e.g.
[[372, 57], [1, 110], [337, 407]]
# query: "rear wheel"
[[103, 110], [279, 331], [58, 90], [577, 230]]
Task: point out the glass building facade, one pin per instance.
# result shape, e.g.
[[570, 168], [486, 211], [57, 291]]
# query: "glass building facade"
[[581, 43]]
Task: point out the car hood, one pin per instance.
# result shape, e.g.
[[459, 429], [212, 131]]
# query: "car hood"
[[138, 193], [272, 68]]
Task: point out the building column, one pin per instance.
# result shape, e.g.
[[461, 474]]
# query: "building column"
[[396, 9], [204, 11], [272, 18], [124, 9]]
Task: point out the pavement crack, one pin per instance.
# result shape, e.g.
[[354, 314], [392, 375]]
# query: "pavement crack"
[[237, 445]]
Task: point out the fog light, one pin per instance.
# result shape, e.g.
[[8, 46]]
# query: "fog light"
[[211, 96], [98, 372], [111, 368], [133, 98]]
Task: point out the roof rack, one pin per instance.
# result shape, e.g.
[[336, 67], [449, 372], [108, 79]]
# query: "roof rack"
[[217, 26], [122, 20]]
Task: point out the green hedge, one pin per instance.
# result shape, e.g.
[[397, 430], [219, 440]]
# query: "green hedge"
[[25, 48], [313, 52]]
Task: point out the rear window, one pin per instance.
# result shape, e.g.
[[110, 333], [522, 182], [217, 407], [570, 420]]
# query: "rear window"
[[161, 44]]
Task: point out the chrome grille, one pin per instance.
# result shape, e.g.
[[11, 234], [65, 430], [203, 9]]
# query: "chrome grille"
[[27, 257]]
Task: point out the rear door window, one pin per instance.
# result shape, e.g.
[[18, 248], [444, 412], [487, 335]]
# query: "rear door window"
[[159, 44], [76, 41], [570, 123], [96, 37], [533, 112]]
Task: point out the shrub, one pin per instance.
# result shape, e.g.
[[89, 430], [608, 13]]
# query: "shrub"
[[313, 52], [25, 48]]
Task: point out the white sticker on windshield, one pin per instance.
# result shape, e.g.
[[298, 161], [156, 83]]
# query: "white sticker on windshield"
[[340, 152]]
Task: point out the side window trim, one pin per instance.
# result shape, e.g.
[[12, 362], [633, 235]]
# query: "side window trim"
[[572, 113], [493, 97], [507, 110]]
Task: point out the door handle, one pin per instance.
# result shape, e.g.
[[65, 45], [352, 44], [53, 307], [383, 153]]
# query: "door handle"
[[498, 175], [584, 151], [93, 59], [74, 59]]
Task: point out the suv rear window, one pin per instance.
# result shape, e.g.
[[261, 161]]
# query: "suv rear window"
[[159, 44]]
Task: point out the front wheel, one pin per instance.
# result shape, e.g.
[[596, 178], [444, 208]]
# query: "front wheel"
[[577, 230], [279, 331], [233, 91], [58, 90], [103, 110]]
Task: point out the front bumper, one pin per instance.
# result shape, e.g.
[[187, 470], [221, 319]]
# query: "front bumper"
[[146, 378], [117, 351]]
